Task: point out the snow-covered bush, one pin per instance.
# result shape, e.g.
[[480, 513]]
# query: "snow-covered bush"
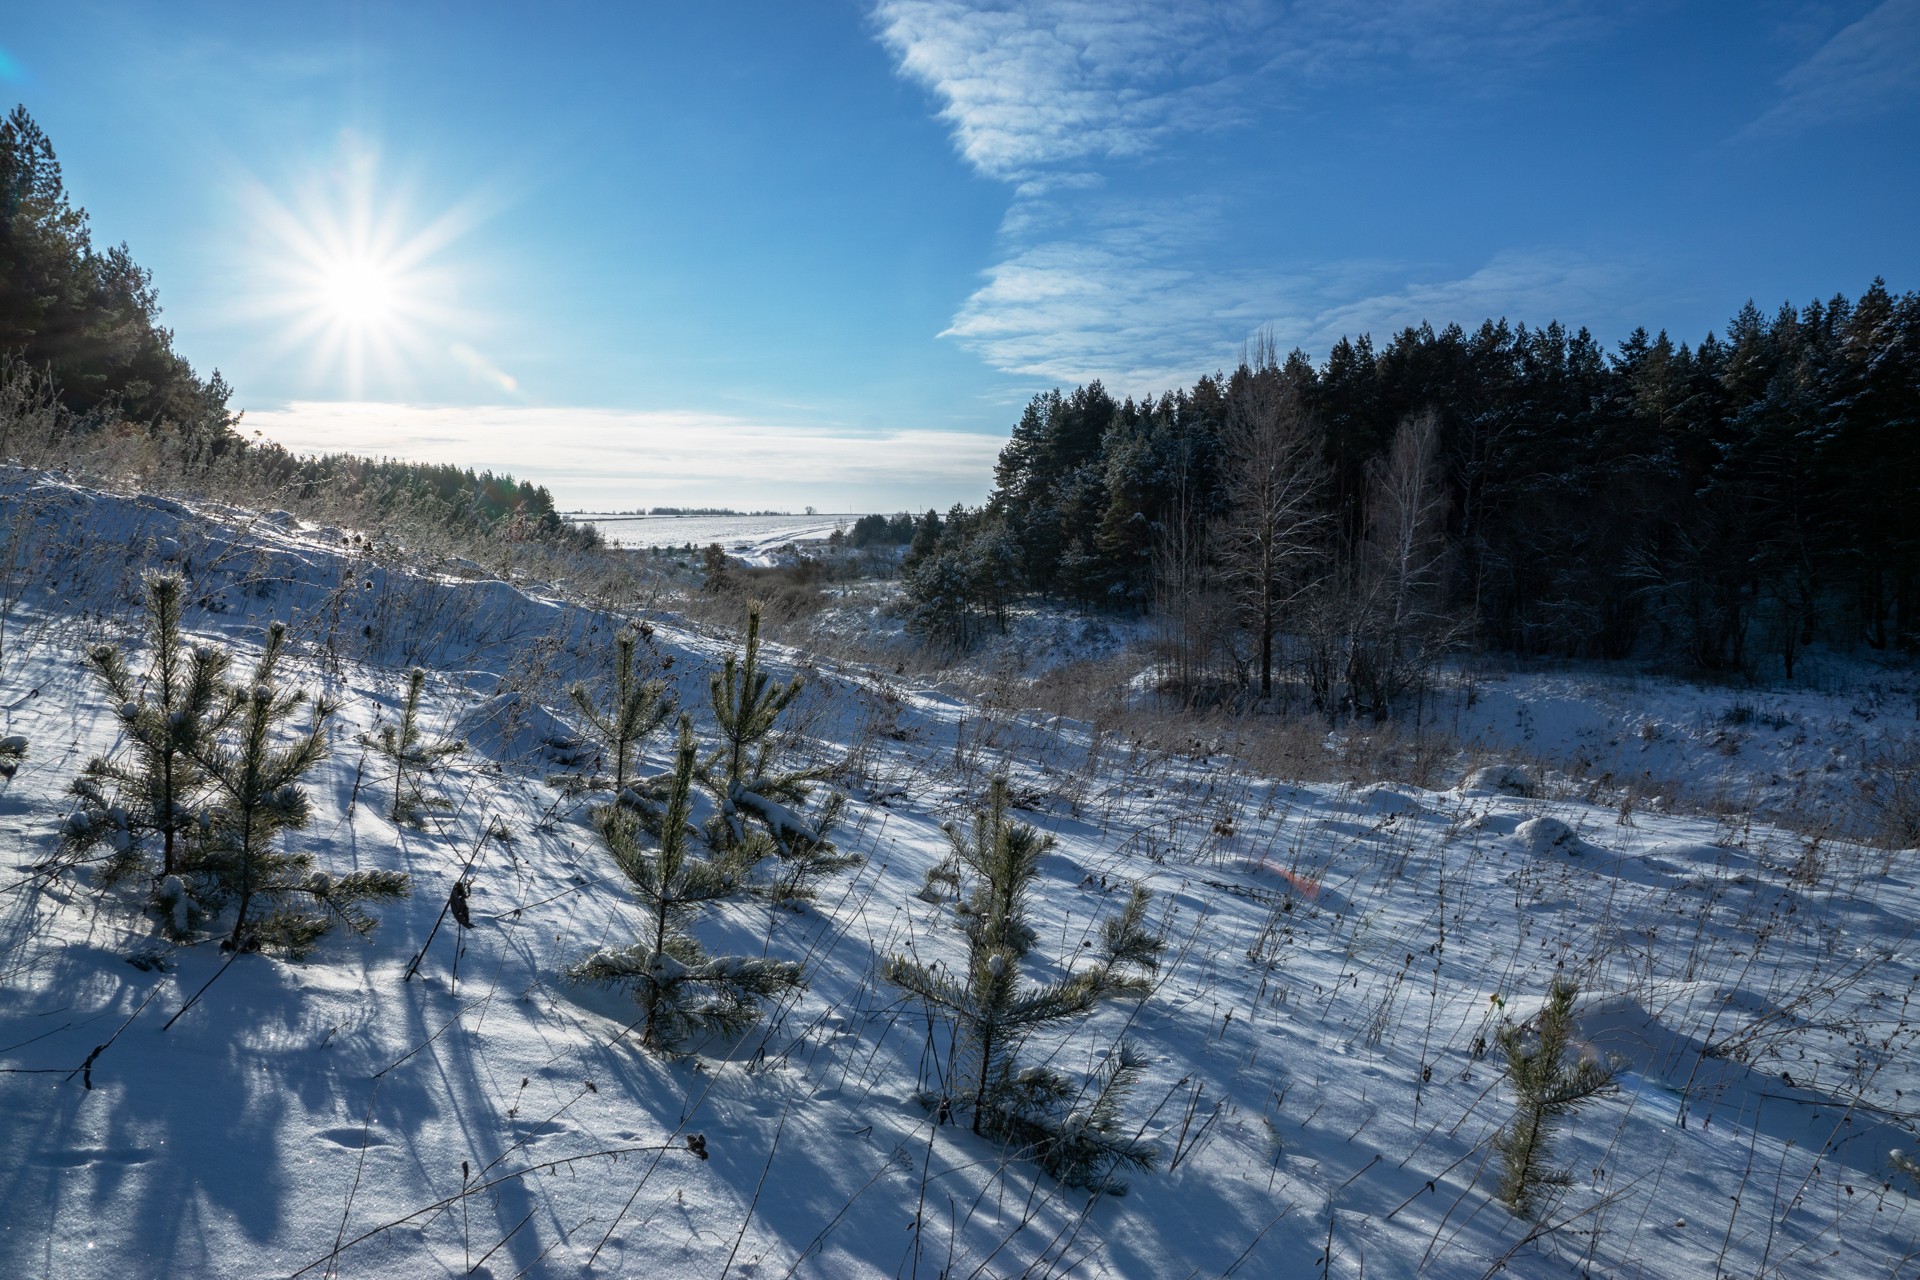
[[1500, 779]]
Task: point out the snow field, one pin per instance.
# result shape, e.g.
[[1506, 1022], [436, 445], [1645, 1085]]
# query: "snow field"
[[1322, 1083]]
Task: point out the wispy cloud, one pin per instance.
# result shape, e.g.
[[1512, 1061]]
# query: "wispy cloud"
[[1522, 285], [1868, 67], [1031, 87], [1073, 311], [1051, 96], [616, 459]]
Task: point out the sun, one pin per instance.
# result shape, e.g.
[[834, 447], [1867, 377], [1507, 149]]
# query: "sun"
[[355, 281], [358, 293]]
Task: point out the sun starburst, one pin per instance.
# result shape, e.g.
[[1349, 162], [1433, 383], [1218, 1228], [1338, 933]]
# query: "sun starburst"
[[349, 274]]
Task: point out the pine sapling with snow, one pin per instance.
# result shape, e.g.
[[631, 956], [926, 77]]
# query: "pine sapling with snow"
[[151, 792], [635, 708], [758, 806], [414, 757], [281, 901], [1546, 1089], [681, 990], [1072, 1130]]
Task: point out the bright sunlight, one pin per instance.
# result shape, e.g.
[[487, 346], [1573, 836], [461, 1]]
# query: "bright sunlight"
[[358, 284], [360, 294]]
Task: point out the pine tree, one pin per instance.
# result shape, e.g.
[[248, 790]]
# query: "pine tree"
[[413, 755], [713, 562], [994, 1011], [636, 708], [681, 990], [168, 716], [261, 798], [757, 805], [1545, 1090]]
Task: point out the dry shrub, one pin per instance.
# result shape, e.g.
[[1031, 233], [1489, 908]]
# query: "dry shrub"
[[1891, 792]]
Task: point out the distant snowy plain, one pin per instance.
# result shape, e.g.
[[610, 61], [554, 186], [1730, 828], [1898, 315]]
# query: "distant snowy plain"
[[1321, 1081], [752, 539]]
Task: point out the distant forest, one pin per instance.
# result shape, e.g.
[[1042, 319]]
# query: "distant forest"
[[82, 349], [1721, 506]]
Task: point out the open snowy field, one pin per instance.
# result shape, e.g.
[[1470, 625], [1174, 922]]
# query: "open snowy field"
[[1322, 1080], [749, 538]]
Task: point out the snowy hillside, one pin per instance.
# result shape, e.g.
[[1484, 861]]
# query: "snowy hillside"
[[1323, 1079]]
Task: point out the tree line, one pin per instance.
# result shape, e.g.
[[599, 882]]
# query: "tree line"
[[1721, 505]]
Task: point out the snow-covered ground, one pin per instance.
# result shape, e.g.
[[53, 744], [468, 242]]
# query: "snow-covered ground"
[[750, 539], [1320, 1078]]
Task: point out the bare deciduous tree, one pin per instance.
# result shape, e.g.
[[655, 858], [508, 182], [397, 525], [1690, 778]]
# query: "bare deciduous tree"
[[1274, 483]]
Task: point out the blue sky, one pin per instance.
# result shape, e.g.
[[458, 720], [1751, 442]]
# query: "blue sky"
[[821, 253]]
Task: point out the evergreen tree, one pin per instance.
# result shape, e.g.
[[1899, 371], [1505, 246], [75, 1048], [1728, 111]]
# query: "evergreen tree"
[[169, 717], [681, 990], [713, 562], [413, 755], [635, 708], [939, 594], [758, 805], [994, 1011], [261, 799], [926, 536], [91, 318], [1545, 1090]]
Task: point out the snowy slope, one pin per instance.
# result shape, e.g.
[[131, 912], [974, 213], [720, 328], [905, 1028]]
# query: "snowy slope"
[[1319, 1080]]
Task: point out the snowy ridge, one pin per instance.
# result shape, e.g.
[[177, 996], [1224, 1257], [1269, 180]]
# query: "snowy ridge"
[[1317, 1046]]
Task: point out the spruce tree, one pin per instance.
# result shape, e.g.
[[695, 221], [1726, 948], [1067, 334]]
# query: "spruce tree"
[[682, 991], [1545, 1089], [168, 716], [413, 755], [757, 803], [994, 1011], [261, 799], [635, 708]]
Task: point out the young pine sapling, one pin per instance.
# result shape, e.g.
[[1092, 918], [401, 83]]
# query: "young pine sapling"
[[635, 708], [1078, 1138], [152, 791], [682, 991], [1545, 1089], [414, 756], [757, 805], [260, 799]]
